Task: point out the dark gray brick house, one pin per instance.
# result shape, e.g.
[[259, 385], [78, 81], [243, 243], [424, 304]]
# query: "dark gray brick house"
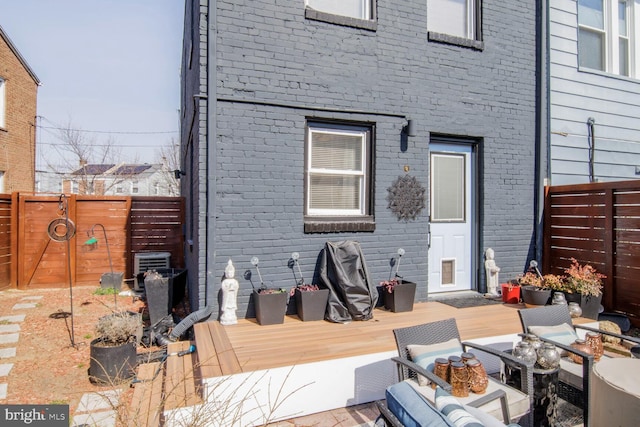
[[301, 120]]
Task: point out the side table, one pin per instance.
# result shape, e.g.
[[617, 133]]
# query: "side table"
[[545, 393], [545, 396]]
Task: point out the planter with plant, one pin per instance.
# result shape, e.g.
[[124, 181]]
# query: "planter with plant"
[[583, 284], [536, 289], [510, 292], [399, 294], [113, 353], [310, 300], [270, 303]]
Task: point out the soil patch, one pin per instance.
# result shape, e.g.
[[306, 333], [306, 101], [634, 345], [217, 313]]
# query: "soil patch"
[[52, 353]]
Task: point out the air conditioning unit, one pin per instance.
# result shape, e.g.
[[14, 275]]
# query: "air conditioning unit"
[[148, 261]]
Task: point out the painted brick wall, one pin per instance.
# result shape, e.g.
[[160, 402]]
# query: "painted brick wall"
[[274, 67], [17, 138]]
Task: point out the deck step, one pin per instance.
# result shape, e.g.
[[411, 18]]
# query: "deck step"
[[216, 356], [181, 385], [147, 402]]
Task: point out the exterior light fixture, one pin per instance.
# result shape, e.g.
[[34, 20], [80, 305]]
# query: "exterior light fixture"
[[410, 128]]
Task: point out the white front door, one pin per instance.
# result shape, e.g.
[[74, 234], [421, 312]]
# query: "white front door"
[[451, 246]]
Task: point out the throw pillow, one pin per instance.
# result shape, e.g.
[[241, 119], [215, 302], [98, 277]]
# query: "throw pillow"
[[425, 355], [563, 333], [454, 411]]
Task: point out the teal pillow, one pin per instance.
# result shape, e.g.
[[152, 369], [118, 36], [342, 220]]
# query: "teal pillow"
[[454, 411]]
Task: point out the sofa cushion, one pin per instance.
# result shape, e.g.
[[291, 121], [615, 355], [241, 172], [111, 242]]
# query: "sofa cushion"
[[517, 401], [425, 355], [562, 333], [456, 413], [412, 409]]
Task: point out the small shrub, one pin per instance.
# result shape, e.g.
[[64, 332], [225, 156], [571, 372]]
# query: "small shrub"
[[118, 328]]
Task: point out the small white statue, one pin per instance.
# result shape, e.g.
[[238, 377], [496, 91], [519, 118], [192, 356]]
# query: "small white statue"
[[229, 296], [491, 270]]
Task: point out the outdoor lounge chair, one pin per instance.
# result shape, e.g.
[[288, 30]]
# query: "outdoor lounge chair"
[[574, 379], [501, 401]]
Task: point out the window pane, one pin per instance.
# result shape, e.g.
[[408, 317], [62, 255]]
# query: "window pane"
[[622, 18], [448, 17], [334, 192], [337, 151], [591, 13], [352, 8], [591, 49], [448, 192], [624, 57]]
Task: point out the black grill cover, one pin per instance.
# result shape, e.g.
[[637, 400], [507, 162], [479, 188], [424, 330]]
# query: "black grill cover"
[[344, 271]]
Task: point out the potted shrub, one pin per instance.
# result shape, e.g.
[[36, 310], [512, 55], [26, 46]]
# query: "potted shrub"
[[270, 303], [533, 290], [399, 294], [583, 284], [311, 301], [113, 353]]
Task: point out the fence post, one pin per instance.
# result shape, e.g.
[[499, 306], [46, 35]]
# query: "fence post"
[[609, 250]]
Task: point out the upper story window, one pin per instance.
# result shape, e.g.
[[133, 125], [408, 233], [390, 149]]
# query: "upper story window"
[[134, 186], [604, 29], [3, 103], [455, 22], [358, 9], [338, 181]]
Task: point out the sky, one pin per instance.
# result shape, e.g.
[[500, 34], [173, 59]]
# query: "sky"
[[110, 68]]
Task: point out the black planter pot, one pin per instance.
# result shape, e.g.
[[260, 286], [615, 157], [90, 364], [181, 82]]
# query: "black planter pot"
[[112, 365], [311, 305], [270, 308], [534, 296], [590, 305], [401, 298]]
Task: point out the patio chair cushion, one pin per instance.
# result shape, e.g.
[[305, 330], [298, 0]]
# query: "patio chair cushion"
[[456, 413], [517, 401], [425, 355], [562, 333], [412, 409]]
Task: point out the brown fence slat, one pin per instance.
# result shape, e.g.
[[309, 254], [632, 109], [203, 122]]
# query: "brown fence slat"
[[607, 236]]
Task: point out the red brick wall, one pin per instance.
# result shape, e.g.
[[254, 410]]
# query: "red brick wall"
[[17, 137]]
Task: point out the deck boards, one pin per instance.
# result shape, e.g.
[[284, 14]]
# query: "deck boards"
[[294, 342], [146, 402]]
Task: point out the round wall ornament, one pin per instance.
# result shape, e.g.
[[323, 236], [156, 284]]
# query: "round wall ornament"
[[406, 197]]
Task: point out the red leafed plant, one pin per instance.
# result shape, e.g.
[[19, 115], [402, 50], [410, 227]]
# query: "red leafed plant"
[[388, 285], [583, 279], [304, 288]]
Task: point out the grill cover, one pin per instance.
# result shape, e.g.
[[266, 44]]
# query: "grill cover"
[[352, 295]]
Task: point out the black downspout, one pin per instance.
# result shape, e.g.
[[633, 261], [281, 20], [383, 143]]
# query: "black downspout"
[[591, 124], [542, 123]]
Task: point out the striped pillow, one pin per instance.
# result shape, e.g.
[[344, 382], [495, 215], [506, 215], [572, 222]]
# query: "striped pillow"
[[454, 411], [425, 355]]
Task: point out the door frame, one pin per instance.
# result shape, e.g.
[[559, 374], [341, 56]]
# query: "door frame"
[[475, 199]]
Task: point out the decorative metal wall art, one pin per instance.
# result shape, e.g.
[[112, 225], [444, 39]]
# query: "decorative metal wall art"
[[406, 197]]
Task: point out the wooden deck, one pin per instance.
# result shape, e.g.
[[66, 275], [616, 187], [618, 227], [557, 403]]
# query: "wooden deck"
[[294, 342]]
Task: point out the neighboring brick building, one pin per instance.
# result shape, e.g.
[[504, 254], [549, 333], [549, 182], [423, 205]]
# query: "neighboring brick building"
[[301, 118], [18, 98]]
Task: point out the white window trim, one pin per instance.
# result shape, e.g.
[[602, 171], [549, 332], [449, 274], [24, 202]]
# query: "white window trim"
[[471, 24], [611, 33], [364, 170], [3, 103], [367, 7]]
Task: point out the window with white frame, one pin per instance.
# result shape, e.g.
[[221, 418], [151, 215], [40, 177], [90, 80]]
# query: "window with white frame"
[[134, 186], [3, 103], [359, 9], [454, 17], [604, 35], [338, 170]]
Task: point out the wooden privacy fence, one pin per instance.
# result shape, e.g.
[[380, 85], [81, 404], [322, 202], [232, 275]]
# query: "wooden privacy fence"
[[598, 224], [43, 238]]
